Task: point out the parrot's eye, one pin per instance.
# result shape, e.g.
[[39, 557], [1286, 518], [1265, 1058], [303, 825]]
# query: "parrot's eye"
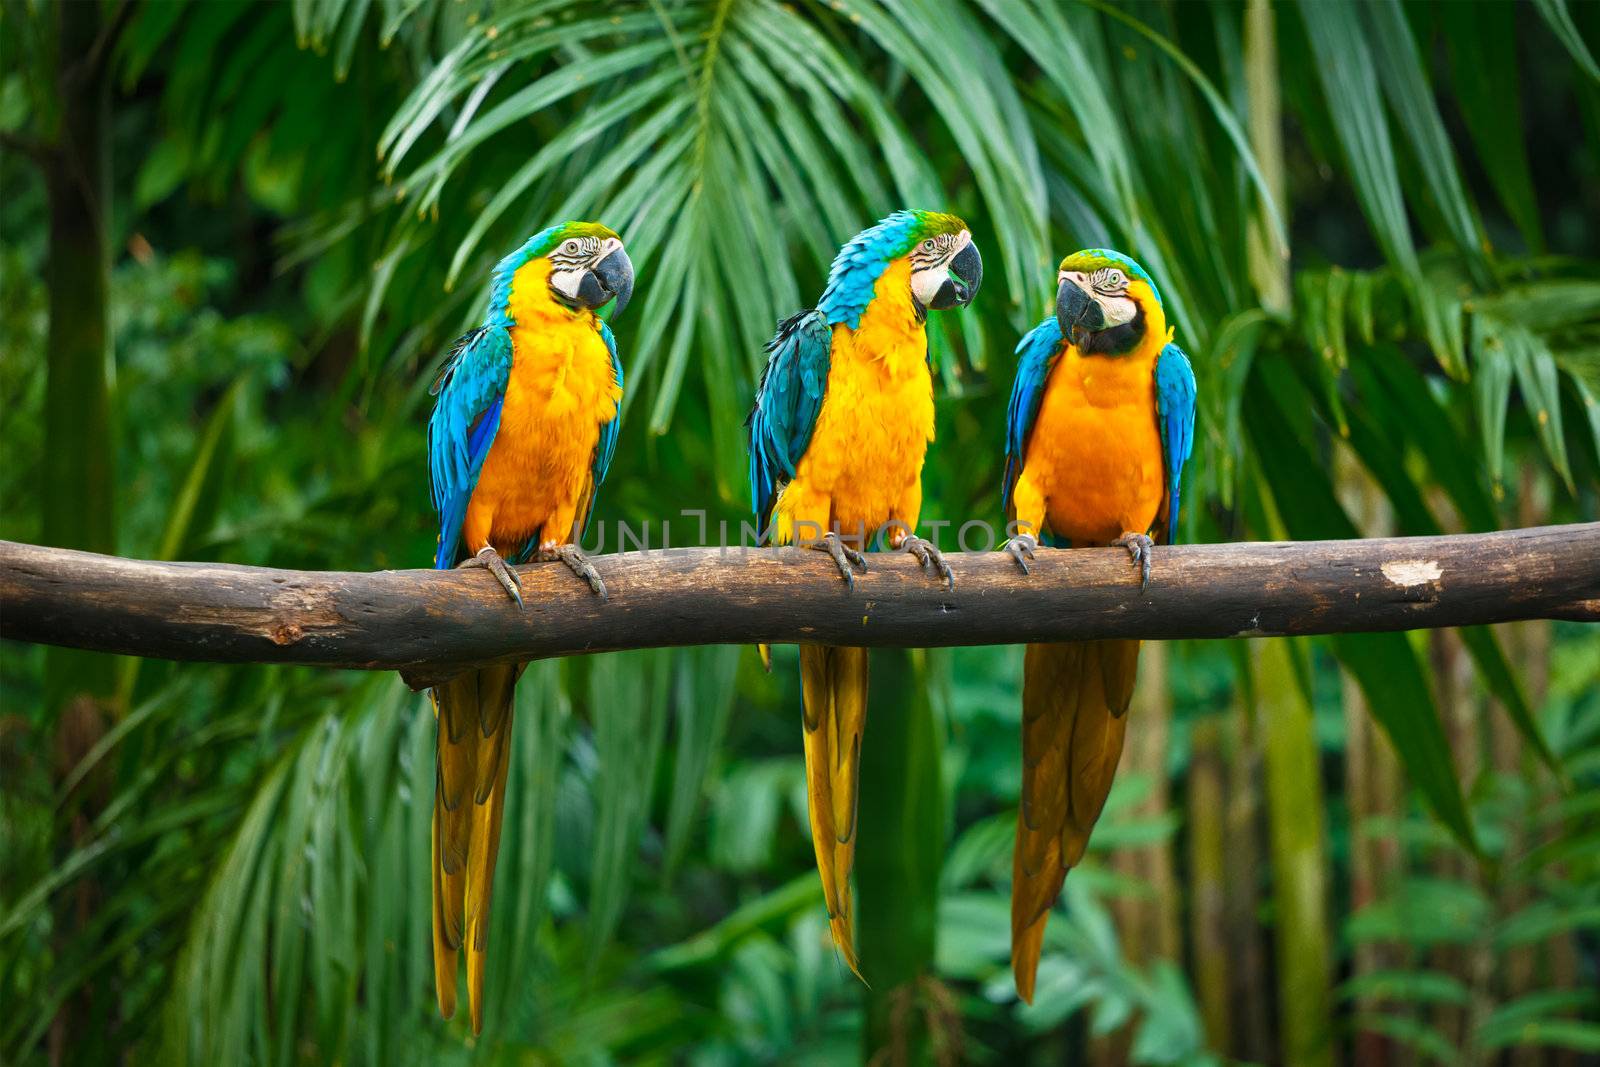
[[570, 246], [927, 245], [1110, 280]]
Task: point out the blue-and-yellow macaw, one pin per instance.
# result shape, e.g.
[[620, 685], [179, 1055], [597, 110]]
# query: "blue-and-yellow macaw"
[[520, 439], [841, 423], [1100, 425]]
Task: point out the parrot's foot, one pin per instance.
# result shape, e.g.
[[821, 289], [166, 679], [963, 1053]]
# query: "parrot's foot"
[[577, 562], [844, 557], [495, 564], [1139, 546], [930, 558], [1021, 548]]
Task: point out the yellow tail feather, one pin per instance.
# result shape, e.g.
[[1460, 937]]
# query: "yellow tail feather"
[[834, 687], [1074, 714], [474, 734]]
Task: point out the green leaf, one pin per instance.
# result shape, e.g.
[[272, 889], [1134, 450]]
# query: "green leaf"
[[1545, 919], [1482, 41], [162, 171], [1559, 19], [1407, 987], [1503, 348], [1406, 86], [703, 698], [1416, 1035], [628, 695], [1491, 389], [1532, 1019], [1350, 89]]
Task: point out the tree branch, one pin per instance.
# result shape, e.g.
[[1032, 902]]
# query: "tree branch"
[[431, 624]]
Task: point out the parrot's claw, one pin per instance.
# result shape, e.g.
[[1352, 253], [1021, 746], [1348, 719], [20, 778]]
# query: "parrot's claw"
[[930, 557], [495, 564], [844, 557], [578, 563], [1139, 546], [1021, 549]]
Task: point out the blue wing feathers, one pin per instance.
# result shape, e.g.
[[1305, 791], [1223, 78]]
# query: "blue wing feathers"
[[465, 418], [1035, 351], [788, 400], [1175, 411], [609, 430]]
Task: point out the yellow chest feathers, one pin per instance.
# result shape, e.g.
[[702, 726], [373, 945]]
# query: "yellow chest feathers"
[[562, 387], [877, 416], [1095, 451], [560, 391]]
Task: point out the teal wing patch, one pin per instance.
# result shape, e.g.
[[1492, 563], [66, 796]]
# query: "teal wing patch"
[[1035, 351], [788, 401], [1175, 407], [465, 417], [607, 445]]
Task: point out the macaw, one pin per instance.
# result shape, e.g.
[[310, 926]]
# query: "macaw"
[[519, 441], [842, 420], [1100, 425]]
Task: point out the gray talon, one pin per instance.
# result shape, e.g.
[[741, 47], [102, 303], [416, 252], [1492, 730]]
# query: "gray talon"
[[579, 564], [1140, 547], [495, 564], [1021, 549], [843, 557], [930, 558]]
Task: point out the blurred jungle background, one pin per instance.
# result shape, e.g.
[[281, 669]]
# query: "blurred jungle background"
[[238, 238]]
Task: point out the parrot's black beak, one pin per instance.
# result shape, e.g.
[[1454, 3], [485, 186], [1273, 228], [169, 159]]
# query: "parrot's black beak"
[[1076, 311], [965, 275], [611, 278]]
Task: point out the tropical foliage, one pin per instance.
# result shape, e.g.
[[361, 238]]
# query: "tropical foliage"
[[1376, 226]]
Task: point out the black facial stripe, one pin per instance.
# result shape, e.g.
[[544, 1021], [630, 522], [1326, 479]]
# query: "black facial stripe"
[[1118, 339], [581, 255], [927, 258], [1109, 280]]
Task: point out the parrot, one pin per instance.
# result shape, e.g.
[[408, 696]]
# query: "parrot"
[[521, 436], [842, 420], [1099, 427]]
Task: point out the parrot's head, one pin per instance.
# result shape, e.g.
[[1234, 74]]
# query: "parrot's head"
[[1106, 303], [945, 267], [588, 267]]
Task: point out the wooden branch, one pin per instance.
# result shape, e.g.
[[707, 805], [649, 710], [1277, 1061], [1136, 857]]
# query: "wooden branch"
[[431, 624]]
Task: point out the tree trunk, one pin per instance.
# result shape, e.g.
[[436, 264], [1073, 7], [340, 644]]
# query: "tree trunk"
[[910, 1018], [1208, 861], [1250, 986], [1368, 760], [1147, 924], [76, 493], [76, 490], [1299, 859]]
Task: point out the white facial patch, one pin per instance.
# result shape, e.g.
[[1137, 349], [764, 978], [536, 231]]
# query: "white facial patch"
[[925, 284], [1109, 289], [575, 257], [566, 282], [1117, 309], [930, 264]]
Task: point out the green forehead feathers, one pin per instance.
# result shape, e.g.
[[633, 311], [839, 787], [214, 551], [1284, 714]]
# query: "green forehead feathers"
[[1092, 259], [932, 224]]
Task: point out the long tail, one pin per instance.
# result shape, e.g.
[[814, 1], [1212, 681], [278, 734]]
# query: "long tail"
[[1074, 712], [474, 713], [834, 685]]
